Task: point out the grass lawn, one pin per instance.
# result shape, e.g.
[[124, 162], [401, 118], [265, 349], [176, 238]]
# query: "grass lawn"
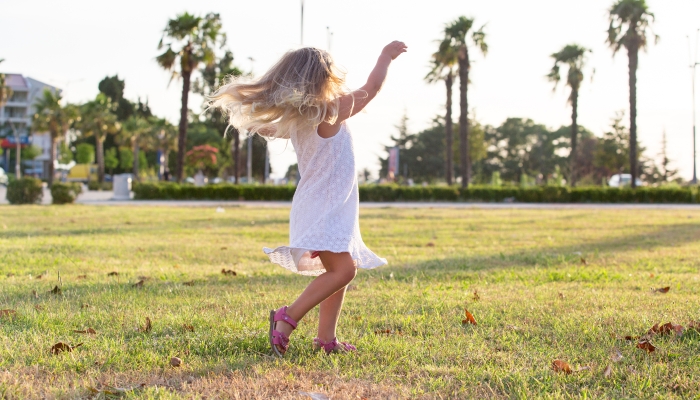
[[537, 302]]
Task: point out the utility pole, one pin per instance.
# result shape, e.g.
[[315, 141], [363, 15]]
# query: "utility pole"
[[693, 64], [329, 36], [301, 40]]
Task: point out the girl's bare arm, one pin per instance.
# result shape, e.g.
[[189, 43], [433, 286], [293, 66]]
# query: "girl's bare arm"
[[352, 103]]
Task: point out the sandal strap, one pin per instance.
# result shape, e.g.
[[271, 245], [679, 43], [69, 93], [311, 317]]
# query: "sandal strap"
[[333, 344], [279, 338], [281, 315]]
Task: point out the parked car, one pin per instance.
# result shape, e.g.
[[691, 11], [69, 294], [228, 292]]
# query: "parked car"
[[620, 180], [3, 177]]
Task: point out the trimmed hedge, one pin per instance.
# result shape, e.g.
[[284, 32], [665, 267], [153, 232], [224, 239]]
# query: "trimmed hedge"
[[25, 191], [65, 193], [390, 193]]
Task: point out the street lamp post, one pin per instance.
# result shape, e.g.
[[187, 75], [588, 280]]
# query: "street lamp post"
[[693, 64]]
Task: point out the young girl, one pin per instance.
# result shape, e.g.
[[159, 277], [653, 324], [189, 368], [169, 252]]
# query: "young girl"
[[302, 98]]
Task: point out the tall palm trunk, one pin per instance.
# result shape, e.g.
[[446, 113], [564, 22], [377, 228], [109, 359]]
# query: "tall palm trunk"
[[574, 135], [633, 55], [463, 60], [236, 152], [52, 158], [182, 134], [449, 80], [100, 158], [135, 146]]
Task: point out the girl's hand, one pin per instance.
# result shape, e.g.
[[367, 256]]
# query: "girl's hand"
[[394, 49]]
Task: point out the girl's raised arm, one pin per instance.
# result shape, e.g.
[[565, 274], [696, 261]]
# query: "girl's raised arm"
[[354, 102]]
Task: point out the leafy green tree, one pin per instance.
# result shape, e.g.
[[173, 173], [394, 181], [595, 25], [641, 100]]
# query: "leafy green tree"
[[85, 153], [53, 117], [126, 158], [65, 155], [521, 147], [574, 57], [213, 76], [98, 119], [456, 33], [113, 87], [630, 27], [443, 68], [612, 153], [189, 41], [135, 131], [111, 160]]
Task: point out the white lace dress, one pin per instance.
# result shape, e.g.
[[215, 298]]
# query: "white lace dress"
[[326, 206]]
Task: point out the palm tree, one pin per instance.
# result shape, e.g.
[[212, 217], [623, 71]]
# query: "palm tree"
[[55, 118], [456, 33], [163, 136], [191, 41], [630, 26], [135, 130], [98, 119], [443, 63], [574, 57]]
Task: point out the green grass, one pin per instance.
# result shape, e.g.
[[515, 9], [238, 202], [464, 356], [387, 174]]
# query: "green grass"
[[538, 302]]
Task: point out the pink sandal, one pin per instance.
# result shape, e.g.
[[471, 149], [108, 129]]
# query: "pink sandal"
[[334, 346], [278, 338]]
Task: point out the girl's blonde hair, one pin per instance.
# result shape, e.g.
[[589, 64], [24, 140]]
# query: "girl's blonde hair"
[[299, 92]]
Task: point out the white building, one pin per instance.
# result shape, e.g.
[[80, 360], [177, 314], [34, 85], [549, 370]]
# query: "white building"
[[18, 113]]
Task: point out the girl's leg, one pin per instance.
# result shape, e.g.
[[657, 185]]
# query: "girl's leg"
[[340, 270], [329, 312]]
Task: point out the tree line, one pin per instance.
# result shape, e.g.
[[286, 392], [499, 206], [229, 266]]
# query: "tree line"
[[629, 27]]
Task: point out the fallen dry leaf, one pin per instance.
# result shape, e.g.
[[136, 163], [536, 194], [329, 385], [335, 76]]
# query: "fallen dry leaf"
[[662, 290], [138, 284], [665, 329], [561, 366], [113, 273], [82, 277], [40, 276], [88, 331], [469, 318], [175, 362], [224, 248], [190, 283], [583, 261], [561, 295], [147, 327], [430, 244], [35, 294], [8, 313], [616, 355], [387, 332], [188, 327], [85, 305], [694, 325], [476, 296], [315, 396], [607, 372], [55, 290], [645, 344], [60, 346], [228, 272], [629, 337]]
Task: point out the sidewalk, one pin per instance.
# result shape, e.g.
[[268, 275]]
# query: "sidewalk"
[[104, 198]]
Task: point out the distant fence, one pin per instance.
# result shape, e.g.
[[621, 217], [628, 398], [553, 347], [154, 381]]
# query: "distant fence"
[[391, 193]]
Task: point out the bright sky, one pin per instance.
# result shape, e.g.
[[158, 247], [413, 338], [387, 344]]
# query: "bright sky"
[[73, 44]]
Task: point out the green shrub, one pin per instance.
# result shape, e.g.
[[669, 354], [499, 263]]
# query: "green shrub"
[[25, 191], [95, 185], [65, 193], [391, 193]]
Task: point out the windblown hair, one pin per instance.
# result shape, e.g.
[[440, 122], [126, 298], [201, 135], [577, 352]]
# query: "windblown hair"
[[298, 93]]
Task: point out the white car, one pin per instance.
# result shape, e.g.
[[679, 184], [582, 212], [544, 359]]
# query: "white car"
[[3, 177], [620, 180]]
